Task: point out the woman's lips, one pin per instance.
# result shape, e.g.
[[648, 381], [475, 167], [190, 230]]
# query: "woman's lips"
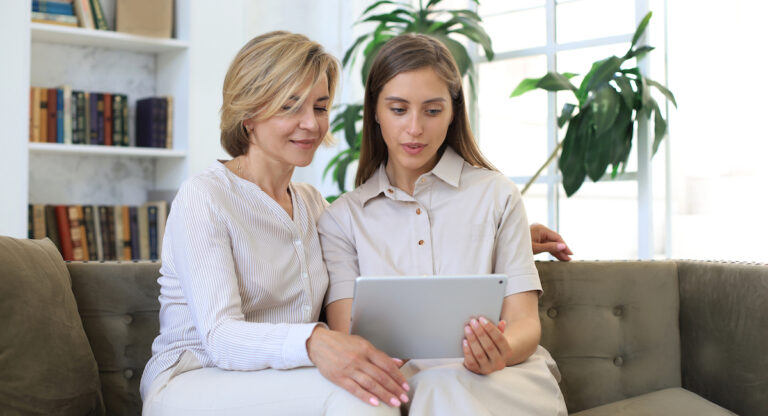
[[413, 148], [304, 144]]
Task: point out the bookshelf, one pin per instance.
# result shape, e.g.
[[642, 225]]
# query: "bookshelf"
[[90, 60]]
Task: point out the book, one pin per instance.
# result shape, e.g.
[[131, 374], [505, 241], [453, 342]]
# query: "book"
[[133, 212], [84, 15], [160, 209], [104, 228], [142, 220], [151, 122], [169, 128], [43, 114], [74, 232], [94, 118], [66, 92], [30, 222], [53, 7], [79, 133], [152, 224], [52, 227], [126, 137], [98, 15], [97, 232], [52, 109], [108, 119], [83, 235], [54, 19], [59, 115], [87, 113], [62, 222], [117, 120], [127, 255], [38, 222], [99, 118], [90, 232], [118, 217], [111, 232], [34, 112]]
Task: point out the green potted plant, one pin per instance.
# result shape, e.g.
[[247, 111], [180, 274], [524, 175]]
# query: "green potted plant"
[[401, 17], [611, 100]]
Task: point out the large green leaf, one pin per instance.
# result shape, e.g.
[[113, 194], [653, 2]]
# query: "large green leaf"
[[525, 85], [388, 18], [458, 51], [353, 113], [659, 127], [583, 92], [480, 38], [352, 49], [571, 161], [667, 93], [638, 52], [334, 161], [625, 87], [380, 2], [604, 72], [605, 108], [641, 28], [555, 82]]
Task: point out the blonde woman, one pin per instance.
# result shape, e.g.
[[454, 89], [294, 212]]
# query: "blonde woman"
[[428, 203], [243, 279]]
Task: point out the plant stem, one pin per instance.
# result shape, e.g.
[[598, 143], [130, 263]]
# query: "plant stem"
[[538, 172]]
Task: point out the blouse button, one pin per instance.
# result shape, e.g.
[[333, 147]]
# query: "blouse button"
[[418, 211], [423, 180], [390, 191], [421, 242]]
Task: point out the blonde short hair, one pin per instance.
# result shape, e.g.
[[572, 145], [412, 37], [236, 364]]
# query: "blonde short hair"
[[264, 75]]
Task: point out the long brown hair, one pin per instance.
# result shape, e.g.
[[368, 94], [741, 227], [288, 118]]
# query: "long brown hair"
[[267, 71], [409, 52]]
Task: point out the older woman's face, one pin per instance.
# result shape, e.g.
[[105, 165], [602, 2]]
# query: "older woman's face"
[[293, 138]]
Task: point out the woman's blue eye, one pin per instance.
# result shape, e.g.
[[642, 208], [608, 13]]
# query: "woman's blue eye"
[[434, 111], [397, 110]]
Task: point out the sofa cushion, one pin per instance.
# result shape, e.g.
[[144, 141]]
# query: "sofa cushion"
[[612, 328], [668, 402], [47, 363]]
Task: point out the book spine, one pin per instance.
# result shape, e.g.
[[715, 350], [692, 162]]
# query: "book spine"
[[84, 15], [51, 226], [64, 234], [100, 118], [83, 235], [98, 15], [108, 119], [74, 230], [35, 114], [152, 222], [38, 221], [169, 125], [59, 115], [126, 246], [126, 137], [90, 232], [66, 91], [52, 108], [94, 119], [143, 226], [43, 137], [52, 7], [97, 233], [134, 233], [111, 232], [54, 18], [117, 116], [30, 222], [73, 116], [81, 118], [104, 228]]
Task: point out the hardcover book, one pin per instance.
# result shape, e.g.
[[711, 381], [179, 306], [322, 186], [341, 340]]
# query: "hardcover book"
[[118, 215], [52, 227], [151, 122], [104, 228], [97, 232], [84, 15], [133, 212], [108, 119], [59, 115], [66, 92], [90, 232], [94, 118], [52, 111], [98, 15], [43, 114], [75, 233], [127, 255], [38, 222], [64, 233]]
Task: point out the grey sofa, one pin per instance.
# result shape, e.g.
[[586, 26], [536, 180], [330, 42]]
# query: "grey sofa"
[[630, 338]]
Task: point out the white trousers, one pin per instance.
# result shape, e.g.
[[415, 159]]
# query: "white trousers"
[[438, 387]]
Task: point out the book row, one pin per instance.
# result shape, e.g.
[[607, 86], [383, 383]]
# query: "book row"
[[101, 232], [85, 13], [63, 115]]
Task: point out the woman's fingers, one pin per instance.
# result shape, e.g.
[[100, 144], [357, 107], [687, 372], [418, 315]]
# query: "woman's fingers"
[[489, 346], [474, 345], [373, 384], [470, 363]]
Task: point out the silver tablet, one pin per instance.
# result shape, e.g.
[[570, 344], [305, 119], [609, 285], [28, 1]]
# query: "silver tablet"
[[423, 316]]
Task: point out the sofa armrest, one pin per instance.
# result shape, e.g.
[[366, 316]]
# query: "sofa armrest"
[[724, 333]]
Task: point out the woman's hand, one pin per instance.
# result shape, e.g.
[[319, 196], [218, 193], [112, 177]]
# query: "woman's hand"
[[354, 364], [545, 240], [486, 349]]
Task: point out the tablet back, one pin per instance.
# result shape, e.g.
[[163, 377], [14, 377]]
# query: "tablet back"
[[423, 316]]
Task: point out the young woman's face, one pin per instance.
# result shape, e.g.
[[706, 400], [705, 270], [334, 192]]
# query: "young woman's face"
[[414, 111], [293, 138]]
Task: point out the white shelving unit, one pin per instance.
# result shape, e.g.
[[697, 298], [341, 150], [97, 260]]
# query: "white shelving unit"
[[96, 61]]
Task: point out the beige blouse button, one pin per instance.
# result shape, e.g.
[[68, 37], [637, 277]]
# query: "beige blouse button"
[[390, 191], [421, 242], [418, 211], [423, 180]]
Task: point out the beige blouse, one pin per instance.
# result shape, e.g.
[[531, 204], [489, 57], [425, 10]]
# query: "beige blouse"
[[460, 220]]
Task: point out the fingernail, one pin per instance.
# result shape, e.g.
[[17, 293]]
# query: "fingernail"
[[404, 398], [395, 402], [483, 320], [374, 401], [464, 341], [467, 330], [560, 246], [473, 322], [406, 387]]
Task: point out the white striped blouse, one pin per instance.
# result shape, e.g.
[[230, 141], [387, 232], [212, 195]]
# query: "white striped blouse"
[[242, 284]]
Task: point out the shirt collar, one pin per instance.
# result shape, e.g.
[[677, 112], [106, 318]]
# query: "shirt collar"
[[448, 169]]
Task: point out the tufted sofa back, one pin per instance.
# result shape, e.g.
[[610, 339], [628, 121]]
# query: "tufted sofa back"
[[119, 308], [612, 328]]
